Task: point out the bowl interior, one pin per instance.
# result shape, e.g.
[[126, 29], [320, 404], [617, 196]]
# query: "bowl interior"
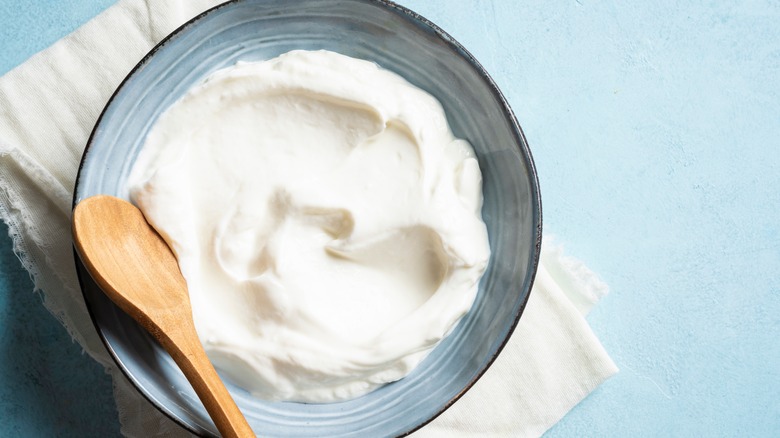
[[398, 40]]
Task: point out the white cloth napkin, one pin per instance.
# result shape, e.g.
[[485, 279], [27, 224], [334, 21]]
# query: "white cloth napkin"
[[48, 106]]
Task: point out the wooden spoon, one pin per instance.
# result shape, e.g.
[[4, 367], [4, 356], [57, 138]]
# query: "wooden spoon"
[[136, 269]]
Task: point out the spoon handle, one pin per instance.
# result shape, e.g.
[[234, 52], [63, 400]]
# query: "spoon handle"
[[183, 345]]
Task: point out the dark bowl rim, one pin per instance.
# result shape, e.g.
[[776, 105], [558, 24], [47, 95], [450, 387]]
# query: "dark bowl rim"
[[419, 21]]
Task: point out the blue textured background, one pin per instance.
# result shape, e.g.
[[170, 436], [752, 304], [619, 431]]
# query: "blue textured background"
[[656, 132]]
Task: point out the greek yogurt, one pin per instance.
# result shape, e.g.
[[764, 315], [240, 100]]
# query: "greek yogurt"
[[325, 218]]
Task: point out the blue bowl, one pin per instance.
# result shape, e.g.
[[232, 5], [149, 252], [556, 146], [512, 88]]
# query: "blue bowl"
[[396, 39]]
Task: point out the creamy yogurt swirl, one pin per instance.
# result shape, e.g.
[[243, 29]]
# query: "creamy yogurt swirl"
[[325, 218]]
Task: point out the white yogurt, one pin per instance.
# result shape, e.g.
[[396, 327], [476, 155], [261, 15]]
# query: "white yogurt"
[[325, 218]]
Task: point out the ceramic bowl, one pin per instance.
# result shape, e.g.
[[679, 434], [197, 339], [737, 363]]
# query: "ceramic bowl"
[[396, 39]]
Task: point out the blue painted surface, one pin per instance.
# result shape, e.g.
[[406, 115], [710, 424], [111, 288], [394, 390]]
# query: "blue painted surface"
[[48, 387], [656, 131]]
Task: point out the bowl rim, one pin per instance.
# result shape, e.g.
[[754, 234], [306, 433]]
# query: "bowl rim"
[[420, 22]]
